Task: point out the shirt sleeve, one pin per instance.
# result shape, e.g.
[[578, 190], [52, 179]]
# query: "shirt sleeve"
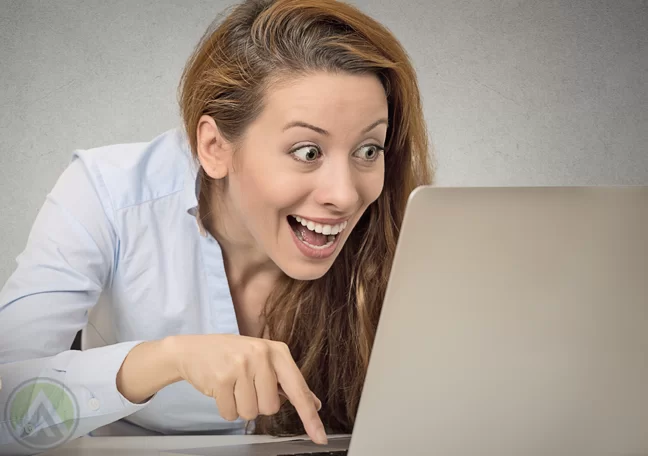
[[70, 257]]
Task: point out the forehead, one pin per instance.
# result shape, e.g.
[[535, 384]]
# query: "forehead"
[[337, 102]]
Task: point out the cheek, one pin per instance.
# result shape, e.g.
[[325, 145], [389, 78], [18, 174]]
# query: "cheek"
[[371, 185], [263, 193]]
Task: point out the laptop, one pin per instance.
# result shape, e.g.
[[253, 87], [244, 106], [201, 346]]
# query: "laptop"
[[515, 323]]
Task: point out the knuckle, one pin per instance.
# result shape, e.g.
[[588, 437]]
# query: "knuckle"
[[240, 363], [261, 348], [282, 347]]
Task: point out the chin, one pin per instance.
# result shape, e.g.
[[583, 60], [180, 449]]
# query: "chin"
[[305, 271]]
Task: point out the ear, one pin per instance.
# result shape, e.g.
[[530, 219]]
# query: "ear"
[[214, 151]]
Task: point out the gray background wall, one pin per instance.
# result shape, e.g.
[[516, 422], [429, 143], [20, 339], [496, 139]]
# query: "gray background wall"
[[516, 92]]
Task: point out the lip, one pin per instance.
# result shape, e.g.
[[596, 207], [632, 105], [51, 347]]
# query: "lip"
[[318, 254], [323, 221]]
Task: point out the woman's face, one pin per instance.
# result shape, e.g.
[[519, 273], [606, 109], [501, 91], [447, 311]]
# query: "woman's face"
[[307, 169]]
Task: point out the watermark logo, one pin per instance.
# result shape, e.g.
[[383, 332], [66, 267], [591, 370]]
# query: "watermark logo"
[[42, 413]]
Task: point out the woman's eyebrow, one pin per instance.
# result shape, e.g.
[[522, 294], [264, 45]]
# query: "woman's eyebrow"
[[321, 131]]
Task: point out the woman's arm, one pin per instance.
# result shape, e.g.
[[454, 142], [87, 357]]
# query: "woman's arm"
[[147, 369], [69, 259]]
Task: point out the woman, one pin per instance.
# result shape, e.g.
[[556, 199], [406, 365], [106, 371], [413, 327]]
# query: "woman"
[[248, 253]]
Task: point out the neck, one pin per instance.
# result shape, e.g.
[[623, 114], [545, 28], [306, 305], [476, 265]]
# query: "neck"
[[251, 278], [243, 258], [251, 274], [246, 265]]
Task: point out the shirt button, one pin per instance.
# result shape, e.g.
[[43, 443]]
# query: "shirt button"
[[94, 404]]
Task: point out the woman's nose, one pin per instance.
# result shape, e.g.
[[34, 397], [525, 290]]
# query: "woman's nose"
[[338, 188]]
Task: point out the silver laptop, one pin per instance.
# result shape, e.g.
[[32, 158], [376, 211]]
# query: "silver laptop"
[[515, 324]]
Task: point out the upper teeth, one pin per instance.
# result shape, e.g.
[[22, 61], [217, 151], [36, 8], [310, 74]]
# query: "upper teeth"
[[320, 228]]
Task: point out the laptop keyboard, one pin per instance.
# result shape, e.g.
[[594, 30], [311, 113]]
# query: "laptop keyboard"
[[324, 453]]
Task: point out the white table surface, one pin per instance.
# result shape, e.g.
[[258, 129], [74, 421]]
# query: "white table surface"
[[152, 446]]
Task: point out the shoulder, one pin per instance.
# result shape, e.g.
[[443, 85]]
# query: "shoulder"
[[130, 174]]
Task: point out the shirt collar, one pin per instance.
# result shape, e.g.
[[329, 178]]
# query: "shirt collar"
[[192, 182]]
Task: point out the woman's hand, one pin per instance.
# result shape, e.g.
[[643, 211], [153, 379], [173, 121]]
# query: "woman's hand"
[[245, 375]]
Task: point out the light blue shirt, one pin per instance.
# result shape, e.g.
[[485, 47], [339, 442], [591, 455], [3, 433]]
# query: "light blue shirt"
[[117, 246]]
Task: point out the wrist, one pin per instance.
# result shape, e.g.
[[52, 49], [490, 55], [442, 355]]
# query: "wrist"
[[147, 369], [170, 348]]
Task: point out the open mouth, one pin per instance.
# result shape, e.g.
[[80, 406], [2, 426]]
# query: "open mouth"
[[317, 236]]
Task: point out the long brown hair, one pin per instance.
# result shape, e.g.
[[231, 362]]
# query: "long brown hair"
[[329, 323]]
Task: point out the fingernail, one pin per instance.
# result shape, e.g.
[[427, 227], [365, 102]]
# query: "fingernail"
[[320, 434]]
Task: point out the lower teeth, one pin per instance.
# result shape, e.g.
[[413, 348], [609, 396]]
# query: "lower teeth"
[[331, 240], [328, 244]]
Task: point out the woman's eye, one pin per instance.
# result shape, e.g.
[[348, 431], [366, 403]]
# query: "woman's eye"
[[307, 153], [369, 152]]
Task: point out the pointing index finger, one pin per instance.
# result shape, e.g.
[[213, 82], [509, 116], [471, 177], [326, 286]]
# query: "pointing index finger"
[[293, 384]]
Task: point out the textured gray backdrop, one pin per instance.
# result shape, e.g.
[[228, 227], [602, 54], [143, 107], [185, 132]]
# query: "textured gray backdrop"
[[535, 92]]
